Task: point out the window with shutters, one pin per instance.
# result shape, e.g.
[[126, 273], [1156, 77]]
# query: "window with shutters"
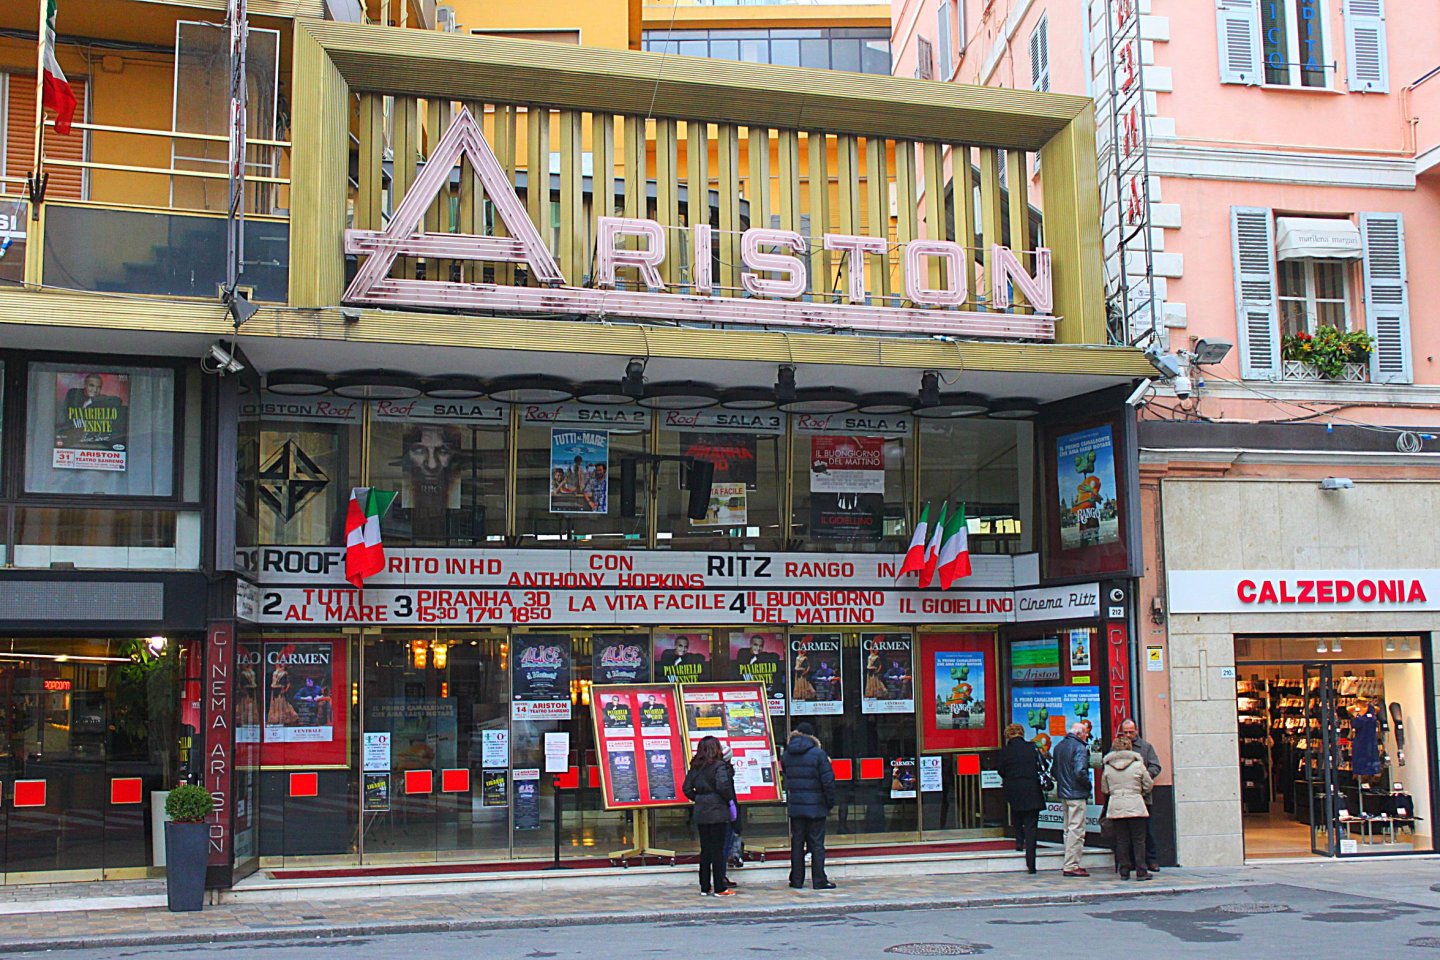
[[943, 34], [924, 59], [1366, 58], [1040, 54], [1314, 293], [1294, 43], [66, 183]]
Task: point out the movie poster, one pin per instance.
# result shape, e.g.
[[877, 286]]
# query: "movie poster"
[[903, 779], [431, 468], [1088, 507], [734, 455], [959, 679], [494, 788], [527, 799], [1046, 713], [727, 507], [816, 686], [847, 488], [620, 658], [540, 677], [422, 731], [759, 656], [655, 716], [1079, 644], [889, 673], [579, 470], [682, 658], [376, 791], [304, 720], [618, 714], [92, 421], [660, 769], [960, 700]]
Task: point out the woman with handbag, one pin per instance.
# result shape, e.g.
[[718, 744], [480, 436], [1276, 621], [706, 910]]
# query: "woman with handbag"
[[1127, 784], [1020, 767], [710, 785]]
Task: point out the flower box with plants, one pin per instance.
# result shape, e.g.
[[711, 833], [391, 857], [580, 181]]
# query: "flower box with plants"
[[187, 846], [1327, 354]]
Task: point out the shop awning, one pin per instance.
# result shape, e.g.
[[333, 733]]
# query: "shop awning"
[[1300, 237]]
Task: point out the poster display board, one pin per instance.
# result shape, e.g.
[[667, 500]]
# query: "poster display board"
[[302, 720], [959, 691], [817, 682], [640, 745], [736, 715], [889, 673], [540, 677]]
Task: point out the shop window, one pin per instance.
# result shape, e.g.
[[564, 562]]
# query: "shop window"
[[450, 477], [988, 465], [749, 485], [851, 490], [101, 429], [569, 462]]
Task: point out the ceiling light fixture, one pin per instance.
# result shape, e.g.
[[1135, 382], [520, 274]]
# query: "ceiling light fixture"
[[604, 393], [748, 398], [454, 387], [679, 395], [950, 406], [821, 400], [1014, 408], [377, 385], [1320, 646], [885, 404], [297, 383], [532, 388]]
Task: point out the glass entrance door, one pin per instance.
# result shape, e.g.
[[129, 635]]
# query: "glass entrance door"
[[1319, 757]]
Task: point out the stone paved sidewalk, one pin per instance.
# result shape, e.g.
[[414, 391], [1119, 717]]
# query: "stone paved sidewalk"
[[674, 899]]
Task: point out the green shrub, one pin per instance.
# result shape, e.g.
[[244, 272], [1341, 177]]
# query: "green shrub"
[[188, 803]]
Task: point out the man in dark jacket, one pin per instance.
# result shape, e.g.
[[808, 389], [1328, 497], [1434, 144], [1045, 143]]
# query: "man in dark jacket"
[[1129, 728], [1073, 784], [809, 797]]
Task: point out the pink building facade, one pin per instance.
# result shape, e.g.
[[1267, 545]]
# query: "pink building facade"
[[1270, 180]]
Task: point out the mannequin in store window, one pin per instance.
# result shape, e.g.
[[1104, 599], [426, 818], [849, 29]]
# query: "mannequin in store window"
[[1366, 729]]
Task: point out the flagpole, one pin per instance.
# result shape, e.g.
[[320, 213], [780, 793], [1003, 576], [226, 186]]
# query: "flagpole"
[[36, 185]]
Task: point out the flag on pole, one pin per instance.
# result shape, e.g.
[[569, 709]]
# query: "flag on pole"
[[364, 553], [55, 89], [932, 550], [915, 556], [955, 551]]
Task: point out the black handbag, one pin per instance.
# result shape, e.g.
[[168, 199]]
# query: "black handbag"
[[1044, 770]]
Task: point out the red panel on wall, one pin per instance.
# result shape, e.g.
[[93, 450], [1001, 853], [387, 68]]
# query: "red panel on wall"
[[872, 768], [844, 769], [304, 784], [967, 764], [455, 781], [569, 780], [592, 777], [126, 790], [29, 793], [419, 781]]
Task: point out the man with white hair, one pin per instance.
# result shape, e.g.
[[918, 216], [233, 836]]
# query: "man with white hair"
[[1073, 784]]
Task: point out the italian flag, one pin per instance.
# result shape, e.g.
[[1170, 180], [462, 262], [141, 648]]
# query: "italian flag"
[[932, 551], [955, 551], [55, 89], [364, 553], [915, 556]]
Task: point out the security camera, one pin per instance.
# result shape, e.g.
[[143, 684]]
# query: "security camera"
[[220, 361], [1167, 363], [1140, 394], [1182, 387]]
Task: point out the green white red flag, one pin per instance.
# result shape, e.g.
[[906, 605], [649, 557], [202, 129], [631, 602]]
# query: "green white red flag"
[[955, 550], [55, 90], [932, 550], [915, 555], [364, 551]]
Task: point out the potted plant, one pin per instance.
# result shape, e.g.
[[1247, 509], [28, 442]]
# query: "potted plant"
[[187, 846], [1328, 354]]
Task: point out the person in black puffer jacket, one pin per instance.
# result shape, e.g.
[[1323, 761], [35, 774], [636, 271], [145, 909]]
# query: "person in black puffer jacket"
[[710, 785], [809, 798]]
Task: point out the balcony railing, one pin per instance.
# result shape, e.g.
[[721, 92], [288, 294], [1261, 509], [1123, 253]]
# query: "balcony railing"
[[106, 242]]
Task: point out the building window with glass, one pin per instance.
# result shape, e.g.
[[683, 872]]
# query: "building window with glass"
[[747, 449], [850, 490], [1313, 293], [988, 466], [857, 49], [1295, 43]]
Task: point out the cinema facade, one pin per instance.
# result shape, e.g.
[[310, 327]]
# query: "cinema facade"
[[527, 288]]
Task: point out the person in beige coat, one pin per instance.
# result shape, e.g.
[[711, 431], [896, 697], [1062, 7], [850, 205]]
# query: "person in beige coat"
[[1127, 784]]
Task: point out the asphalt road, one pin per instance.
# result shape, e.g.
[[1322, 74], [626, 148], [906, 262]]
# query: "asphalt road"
[[1255, 923]]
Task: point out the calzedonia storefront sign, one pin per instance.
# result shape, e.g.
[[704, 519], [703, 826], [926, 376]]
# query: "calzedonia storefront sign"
[[295, 586], [1297, 591], [774, 278]]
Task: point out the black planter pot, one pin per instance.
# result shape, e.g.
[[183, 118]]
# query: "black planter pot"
[[187, 851]]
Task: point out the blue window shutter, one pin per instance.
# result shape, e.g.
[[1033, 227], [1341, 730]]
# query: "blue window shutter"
[[1387, 297], [1237, 33], [1366, 57], [1257, 320]]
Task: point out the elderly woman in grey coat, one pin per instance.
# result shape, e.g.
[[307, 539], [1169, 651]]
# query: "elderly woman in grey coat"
[[1127, 784]]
